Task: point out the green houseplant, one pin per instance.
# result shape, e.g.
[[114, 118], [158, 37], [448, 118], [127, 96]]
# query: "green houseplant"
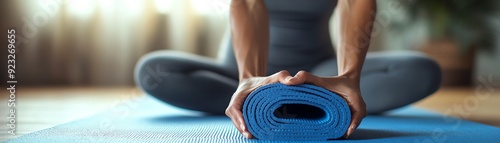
[[456, 29]]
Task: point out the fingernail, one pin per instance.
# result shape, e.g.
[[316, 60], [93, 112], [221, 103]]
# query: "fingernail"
[[353, 127], [349, 132], [245, 134], [242, 127]]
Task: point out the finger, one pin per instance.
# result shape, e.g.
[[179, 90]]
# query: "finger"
[[236, 123], [358, 112], [243, 127], [239, 123], [355, 121], [236, 115], [306, 77], [244, 130], [284, 77]]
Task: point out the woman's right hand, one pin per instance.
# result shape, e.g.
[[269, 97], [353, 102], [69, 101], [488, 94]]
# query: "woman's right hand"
[[246, 86]]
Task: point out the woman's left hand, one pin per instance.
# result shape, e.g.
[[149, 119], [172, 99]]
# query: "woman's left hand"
[[343, 86]]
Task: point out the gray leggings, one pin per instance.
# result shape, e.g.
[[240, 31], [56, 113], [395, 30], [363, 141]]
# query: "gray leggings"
[[388, 80]]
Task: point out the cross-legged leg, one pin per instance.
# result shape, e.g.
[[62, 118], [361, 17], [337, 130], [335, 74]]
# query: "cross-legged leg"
[[392, 79], [186, 81]]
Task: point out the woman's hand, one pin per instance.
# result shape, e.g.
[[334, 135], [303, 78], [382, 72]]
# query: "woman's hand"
[[246, 86], [343, 86]]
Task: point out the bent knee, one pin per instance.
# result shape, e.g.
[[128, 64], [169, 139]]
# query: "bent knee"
[[153, 68], [421, 70], [422, 66]]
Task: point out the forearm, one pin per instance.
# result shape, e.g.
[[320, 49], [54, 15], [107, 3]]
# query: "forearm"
[[250, 34], [357, 18]]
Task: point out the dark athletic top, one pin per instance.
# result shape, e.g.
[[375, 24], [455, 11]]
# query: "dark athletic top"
[[299, 34]]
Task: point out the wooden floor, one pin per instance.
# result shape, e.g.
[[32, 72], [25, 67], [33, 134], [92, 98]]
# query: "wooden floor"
[[40, 108], [474, 104]]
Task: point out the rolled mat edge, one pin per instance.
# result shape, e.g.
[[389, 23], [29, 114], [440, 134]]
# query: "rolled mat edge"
[[315, 113]]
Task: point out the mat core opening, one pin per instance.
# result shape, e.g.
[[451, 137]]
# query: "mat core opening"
[[299, 111]]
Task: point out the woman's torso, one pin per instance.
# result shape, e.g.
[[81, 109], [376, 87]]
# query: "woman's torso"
[[299, 34]]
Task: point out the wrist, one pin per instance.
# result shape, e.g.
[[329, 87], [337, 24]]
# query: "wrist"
[[245, 76], [353, 80], [350, 76], [248, 73]]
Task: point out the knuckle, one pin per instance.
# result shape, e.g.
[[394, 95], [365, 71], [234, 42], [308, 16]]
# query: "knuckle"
[[301, 72], [228, 111], [362, 104], [282, 72], [363, 113]]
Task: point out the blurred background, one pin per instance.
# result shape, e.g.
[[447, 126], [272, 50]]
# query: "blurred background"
[[75, 58], [97, 42]]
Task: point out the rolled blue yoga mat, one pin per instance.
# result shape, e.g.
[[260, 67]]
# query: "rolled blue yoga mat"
[[301, 112]]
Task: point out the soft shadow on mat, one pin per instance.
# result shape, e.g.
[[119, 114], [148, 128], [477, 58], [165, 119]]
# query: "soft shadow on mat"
[[187, 118], [359, 134]]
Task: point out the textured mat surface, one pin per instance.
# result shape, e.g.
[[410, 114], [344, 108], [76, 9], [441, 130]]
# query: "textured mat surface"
[[302, 112], [148, 120]]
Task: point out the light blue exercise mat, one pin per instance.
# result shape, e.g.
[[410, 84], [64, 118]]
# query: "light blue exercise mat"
[[148, 120]]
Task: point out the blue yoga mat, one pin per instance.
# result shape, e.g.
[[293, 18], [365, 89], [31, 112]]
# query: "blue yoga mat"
[[149, 120], [302, 112]]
